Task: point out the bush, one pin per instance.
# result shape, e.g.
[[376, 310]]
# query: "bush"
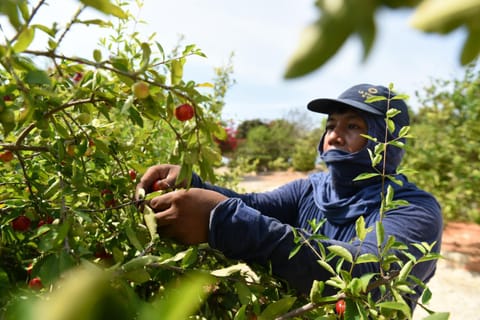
[[446, 149]]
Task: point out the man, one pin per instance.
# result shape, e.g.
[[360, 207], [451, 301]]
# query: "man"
[[257, 227]]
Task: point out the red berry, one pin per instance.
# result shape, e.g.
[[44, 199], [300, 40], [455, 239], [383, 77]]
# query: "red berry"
[[133, 174], [7, 98], [48, 220], [157, 185], [21, 223], [110, 203], [340, 307], [106, 192], [6, 156], [77, 76], [35, 284], [184, 112]]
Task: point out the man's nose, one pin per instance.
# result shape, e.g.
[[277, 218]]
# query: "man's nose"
[[336, 137]]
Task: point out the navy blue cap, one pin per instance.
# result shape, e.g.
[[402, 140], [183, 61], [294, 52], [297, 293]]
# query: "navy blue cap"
[[355, 97]]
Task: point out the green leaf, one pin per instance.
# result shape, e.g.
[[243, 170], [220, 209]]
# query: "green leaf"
[[146, 52], [403, 307], [318, 43], [426, 296], [341, 252], [366, 258], [150, 222], [190, 257], [37, 77], [443, 16], [316, 291], [137, 276], [371, 99], [243, 292], [177, 70], [365, 281], [405, 271], [365, 176], [404, 131], [326, 266], [106, 7], [360, 228], [380, 233], [438, 316], [132, 237], [185, 295], [392, 112], [241, 268], [240, 314], [471, 47], [391, 125], [355, 286], [139, 262], [277, 308], [97, 55], [24, 40]]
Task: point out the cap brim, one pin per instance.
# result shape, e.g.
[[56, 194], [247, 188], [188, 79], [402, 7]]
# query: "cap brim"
[[329, 105]]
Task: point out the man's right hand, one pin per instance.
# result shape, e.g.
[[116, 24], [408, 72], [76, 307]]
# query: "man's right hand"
[[165, 174]]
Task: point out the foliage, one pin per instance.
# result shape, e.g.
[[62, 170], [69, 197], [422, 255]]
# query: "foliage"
[[77, 133], [305, 155], [246, 126], [73, 131], [340, 20], [267, 143], [446, 152]]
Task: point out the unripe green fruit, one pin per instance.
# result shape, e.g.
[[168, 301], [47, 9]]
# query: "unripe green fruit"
[[7, 116], [140, 89]]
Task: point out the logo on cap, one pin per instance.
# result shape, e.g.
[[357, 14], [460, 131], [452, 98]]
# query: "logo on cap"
[[369, 93]]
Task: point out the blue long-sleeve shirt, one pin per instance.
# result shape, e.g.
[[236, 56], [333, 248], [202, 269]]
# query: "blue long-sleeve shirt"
[[257, 227]]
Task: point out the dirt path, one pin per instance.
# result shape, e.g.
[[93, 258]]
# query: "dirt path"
[[455, 287]]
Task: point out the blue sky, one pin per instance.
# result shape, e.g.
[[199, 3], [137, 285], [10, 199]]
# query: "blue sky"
[[264, 34]]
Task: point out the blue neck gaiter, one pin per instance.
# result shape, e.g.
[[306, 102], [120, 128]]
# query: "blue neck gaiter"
[[336, 194]]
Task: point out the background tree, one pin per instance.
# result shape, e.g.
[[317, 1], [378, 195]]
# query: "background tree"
[[445, 154]]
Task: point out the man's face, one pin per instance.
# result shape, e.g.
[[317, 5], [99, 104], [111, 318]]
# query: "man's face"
[[343, 131]]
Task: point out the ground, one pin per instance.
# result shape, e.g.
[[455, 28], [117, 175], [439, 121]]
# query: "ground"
[[455, 287]]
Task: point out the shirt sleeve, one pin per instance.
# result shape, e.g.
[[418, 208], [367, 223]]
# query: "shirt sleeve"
[[281, 203], [242, 232]]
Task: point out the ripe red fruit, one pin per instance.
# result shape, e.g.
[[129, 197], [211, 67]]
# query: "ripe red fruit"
[[340, 307], [133, 174], [157, 185], [21, 223], [48, 220], [77, 76], [184, 112], [6, 156], [106, 192], [35, 284]]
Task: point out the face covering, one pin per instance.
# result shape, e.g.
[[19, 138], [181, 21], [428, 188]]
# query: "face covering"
[[339, 197]]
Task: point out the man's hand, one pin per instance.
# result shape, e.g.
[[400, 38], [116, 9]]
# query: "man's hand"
[[184, 215], [166, 174]]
